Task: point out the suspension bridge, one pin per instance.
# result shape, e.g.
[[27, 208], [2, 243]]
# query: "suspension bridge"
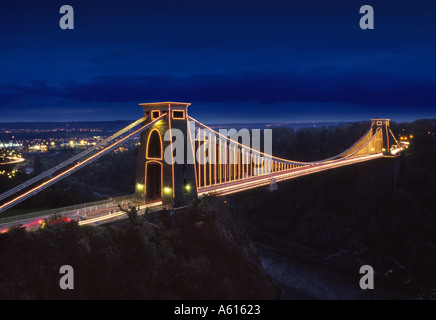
[[209, 163]]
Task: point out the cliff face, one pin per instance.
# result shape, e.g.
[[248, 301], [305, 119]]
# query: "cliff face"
[[368, 214]]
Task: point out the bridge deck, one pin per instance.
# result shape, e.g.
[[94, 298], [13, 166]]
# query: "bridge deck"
[[263, 180]]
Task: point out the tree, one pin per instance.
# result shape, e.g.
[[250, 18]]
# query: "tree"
[[132, 213]]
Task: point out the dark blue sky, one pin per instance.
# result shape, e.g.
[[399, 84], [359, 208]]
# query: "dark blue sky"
[[251, 61]]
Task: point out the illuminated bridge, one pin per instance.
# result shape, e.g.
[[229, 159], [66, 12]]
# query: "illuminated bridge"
[[180, 159]]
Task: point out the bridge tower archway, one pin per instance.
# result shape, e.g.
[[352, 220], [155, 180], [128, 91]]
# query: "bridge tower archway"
[[153, 181]]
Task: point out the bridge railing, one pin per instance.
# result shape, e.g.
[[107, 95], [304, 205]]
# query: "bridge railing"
[[77, 209]]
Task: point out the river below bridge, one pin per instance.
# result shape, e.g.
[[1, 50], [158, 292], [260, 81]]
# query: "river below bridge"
[[301, 281]]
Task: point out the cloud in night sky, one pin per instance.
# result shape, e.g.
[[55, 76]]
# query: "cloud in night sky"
[[268, 88], [306, 61]]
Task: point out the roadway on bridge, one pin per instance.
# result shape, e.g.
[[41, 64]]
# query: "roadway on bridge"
[[89, 216]]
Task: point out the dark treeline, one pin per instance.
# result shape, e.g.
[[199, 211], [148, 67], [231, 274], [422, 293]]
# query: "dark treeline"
[[198, 254], [312, 144]]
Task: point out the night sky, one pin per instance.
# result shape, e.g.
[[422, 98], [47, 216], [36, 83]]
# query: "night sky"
[[235, 61]]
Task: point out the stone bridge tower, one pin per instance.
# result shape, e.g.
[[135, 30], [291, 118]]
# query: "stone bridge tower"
[[382, 142], [159, 176]]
